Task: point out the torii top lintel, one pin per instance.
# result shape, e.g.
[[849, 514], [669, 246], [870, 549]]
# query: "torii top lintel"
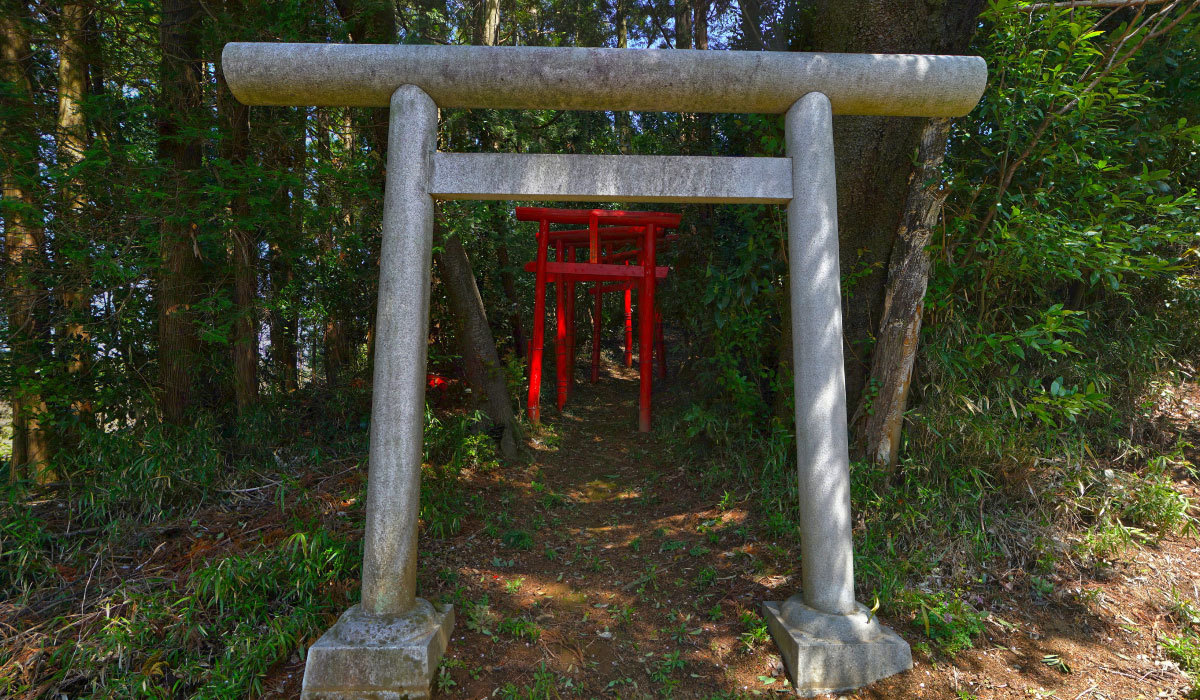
[[532, 77]]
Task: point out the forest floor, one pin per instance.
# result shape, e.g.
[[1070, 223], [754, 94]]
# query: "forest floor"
[[603, 568], [602, 565]]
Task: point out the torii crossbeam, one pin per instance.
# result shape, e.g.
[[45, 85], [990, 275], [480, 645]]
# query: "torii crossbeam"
[[389, 645]]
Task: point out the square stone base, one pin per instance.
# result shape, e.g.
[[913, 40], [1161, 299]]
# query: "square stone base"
[[835, 663], [378, 657]]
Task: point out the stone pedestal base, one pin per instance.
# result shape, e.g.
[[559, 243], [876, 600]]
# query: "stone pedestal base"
[[378, 657], [833, 653]]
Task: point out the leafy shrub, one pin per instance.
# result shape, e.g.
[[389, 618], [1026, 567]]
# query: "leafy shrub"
[[946, 618], [233, 621]]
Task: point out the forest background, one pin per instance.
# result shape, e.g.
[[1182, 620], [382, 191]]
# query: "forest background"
[[189, 287]]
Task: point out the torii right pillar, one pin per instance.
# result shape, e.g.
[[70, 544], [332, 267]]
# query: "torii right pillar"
[[829, 642]]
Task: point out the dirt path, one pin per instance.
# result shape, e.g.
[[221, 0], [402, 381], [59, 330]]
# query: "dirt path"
[[604, 568]]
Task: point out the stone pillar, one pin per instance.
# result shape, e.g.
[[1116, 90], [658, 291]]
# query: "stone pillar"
[[390, 643], [822, 453], [829, 642]]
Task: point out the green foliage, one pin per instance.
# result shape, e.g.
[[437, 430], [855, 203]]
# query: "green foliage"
[[232, 620], [520, 628], [24, 548], [517, 539], [946, 618], [756, 632], [1185, 650]]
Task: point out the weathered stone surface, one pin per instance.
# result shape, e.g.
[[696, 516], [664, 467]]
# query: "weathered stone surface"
[[381, 657], [833, 653], [389, 577], [584, 178], [531, 77], [822, 457]]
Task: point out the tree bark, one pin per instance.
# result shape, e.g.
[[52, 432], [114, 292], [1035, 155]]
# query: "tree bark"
[[880, 413], [683, 24], [179, 150], [242, 245], [24, 247], [700, 23], [72, 243], [484, 372], [874, 153], [487, 27]]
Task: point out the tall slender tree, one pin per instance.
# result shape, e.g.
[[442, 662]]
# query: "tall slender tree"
[[241, 242], [180, 110], [72, 243], [24, 243]]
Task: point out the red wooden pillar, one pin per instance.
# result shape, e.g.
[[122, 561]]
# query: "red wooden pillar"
[[628, 322], [646, 330], [597, 325], [570, 292], [539, 324], [560, 331]]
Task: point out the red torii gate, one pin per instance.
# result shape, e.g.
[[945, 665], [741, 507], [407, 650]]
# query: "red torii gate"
[[620, 226], [608, 236]]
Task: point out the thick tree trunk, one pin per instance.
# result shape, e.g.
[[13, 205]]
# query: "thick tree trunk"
[[487, 26], [874, 153], [179, 150], [242, 245], [72, 243], [880, 414], [683, 24], [23, 245], [484, 372]]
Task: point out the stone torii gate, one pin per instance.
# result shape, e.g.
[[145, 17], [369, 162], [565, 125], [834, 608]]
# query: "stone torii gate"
[[389, 645]]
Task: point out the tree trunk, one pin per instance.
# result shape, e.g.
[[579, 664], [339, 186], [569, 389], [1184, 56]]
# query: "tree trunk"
[[487, 28], [874, 153], [624, 121], [242, 245], [284, 320], [683, 24], [700, 23], [371, 22], [23, 245], [881, 416], [72, 241], [751, 25], [336, 337], [179, 150], [484, 372]]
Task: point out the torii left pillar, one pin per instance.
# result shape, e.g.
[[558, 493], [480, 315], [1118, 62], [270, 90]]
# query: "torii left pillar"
[[388, 646]]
